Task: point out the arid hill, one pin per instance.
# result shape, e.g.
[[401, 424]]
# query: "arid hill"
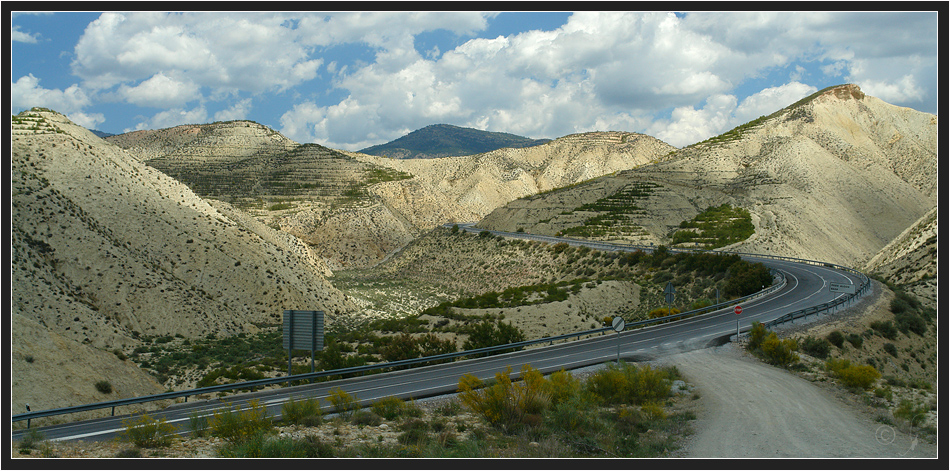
[[355, 209], [834, 177], [107, 252]]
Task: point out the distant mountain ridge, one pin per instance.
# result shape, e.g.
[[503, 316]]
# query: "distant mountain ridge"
[[446, 140]]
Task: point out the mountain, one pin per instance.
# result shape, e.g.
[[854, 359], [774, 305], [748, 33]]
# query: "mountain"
[[101, 134], [109, 253], [354, 209], [834, 177], [445, 140]]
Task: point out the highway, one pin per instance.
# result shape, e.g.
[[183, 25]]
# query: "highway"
[[806, 285]]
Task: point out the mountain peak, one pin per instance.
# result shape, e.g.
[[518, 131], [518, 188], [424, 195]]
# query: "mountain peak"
[[447, 140]]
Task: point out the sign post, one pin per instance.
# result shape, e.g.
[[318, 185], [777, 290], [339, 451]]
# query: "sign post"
[[619, 325], [846, 288], [302, 330], [670, 294], [738, 311]]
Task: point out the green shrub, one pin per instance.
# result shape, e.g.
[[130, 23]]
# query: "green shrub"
[[198, 424], [910, 321], [818, 348], [663, 312], [343, 403], [488, 334], [574, 416], [628, 384], [30, 441], [859, 376], [147, 432], [836, 338], [890, 349], [237, 426], [104, 387], [756, 336], [562, 386], [911, 412], [260, 445], [389, 408], [304, 412], [856, 340], [365, 417], [885, 328], [779, 352], [505, 404]]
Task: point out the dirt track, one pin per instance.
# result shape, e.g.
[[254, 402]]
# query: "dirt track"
[[752, 410]]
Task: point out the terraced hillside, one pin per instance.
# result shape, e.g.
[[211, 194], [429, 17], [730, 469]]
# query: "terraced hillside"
[[242, 160], [835, 177]]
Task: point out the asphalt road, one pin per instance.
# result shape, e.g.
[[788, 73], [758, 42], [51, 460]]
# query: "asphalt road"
[[807, 285]]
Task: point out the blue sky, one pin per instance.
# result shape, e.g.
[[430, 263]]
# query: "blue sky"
[[352, 80]]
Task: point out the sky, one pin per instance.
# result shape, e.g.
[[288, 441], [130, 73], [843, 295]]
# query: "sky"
[[350, 80]]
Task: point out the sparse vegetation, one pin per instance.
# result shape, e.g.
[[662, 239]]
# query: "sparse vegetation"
[[605, 416], [146, 432], [104, 387], [615, 213], [715, 227], [767, 345]]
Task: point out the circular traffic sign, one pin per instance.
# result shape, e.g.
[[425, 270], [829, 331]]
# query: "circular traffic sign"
[[619, 324], [738, 310]]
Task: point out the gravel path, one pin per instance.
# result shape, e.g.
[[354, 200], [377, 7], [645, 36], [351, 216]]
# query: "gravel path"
[[752, 410]]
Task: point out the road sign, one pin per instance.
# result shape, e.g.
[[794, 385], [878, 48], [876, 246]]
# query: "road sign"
[[619, 324], [669, 288], [303, 330], [738, 309], [846, 288]]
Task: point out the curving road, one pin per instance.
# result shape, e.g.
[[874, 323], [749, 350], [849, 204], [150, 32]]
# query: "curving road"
[[807, 285]]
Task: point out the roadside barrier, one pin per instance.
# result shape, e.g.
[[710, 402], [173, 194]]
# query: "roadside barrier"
[[779, 282]]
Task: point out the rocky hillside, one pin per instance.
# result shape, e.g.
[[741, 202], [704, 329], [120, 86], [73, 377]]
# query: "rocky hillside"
[[194, 145], [445, 140], [834, 177], [910, 260], [354, 209], [460, 189], [108, 252]]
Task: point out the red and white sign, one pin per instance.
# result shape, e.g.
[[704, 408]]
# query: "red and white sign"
[[738, 310]]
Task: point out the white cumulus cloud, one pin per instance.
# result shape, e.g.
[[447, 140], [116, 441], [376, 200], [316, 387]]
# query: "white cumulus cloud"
[[160, 91]]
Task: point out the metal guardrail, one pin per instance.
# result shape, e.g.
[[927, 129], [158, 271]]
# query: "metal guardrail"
[[779, 283], [804, 313], [790, 317], [288, 379]]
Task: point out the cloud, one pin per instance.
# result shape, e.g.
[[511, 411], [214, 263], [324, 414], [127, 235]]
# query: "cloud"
[[682, 78], [251, 52], [26, 93], [240, 110], [23, 37], [903, 90], [160, 91], [172, 118], [722, 112], [770, 100]]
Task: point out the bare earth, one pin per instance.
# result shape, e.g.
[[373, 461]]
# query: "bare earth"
[[752, 410]]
